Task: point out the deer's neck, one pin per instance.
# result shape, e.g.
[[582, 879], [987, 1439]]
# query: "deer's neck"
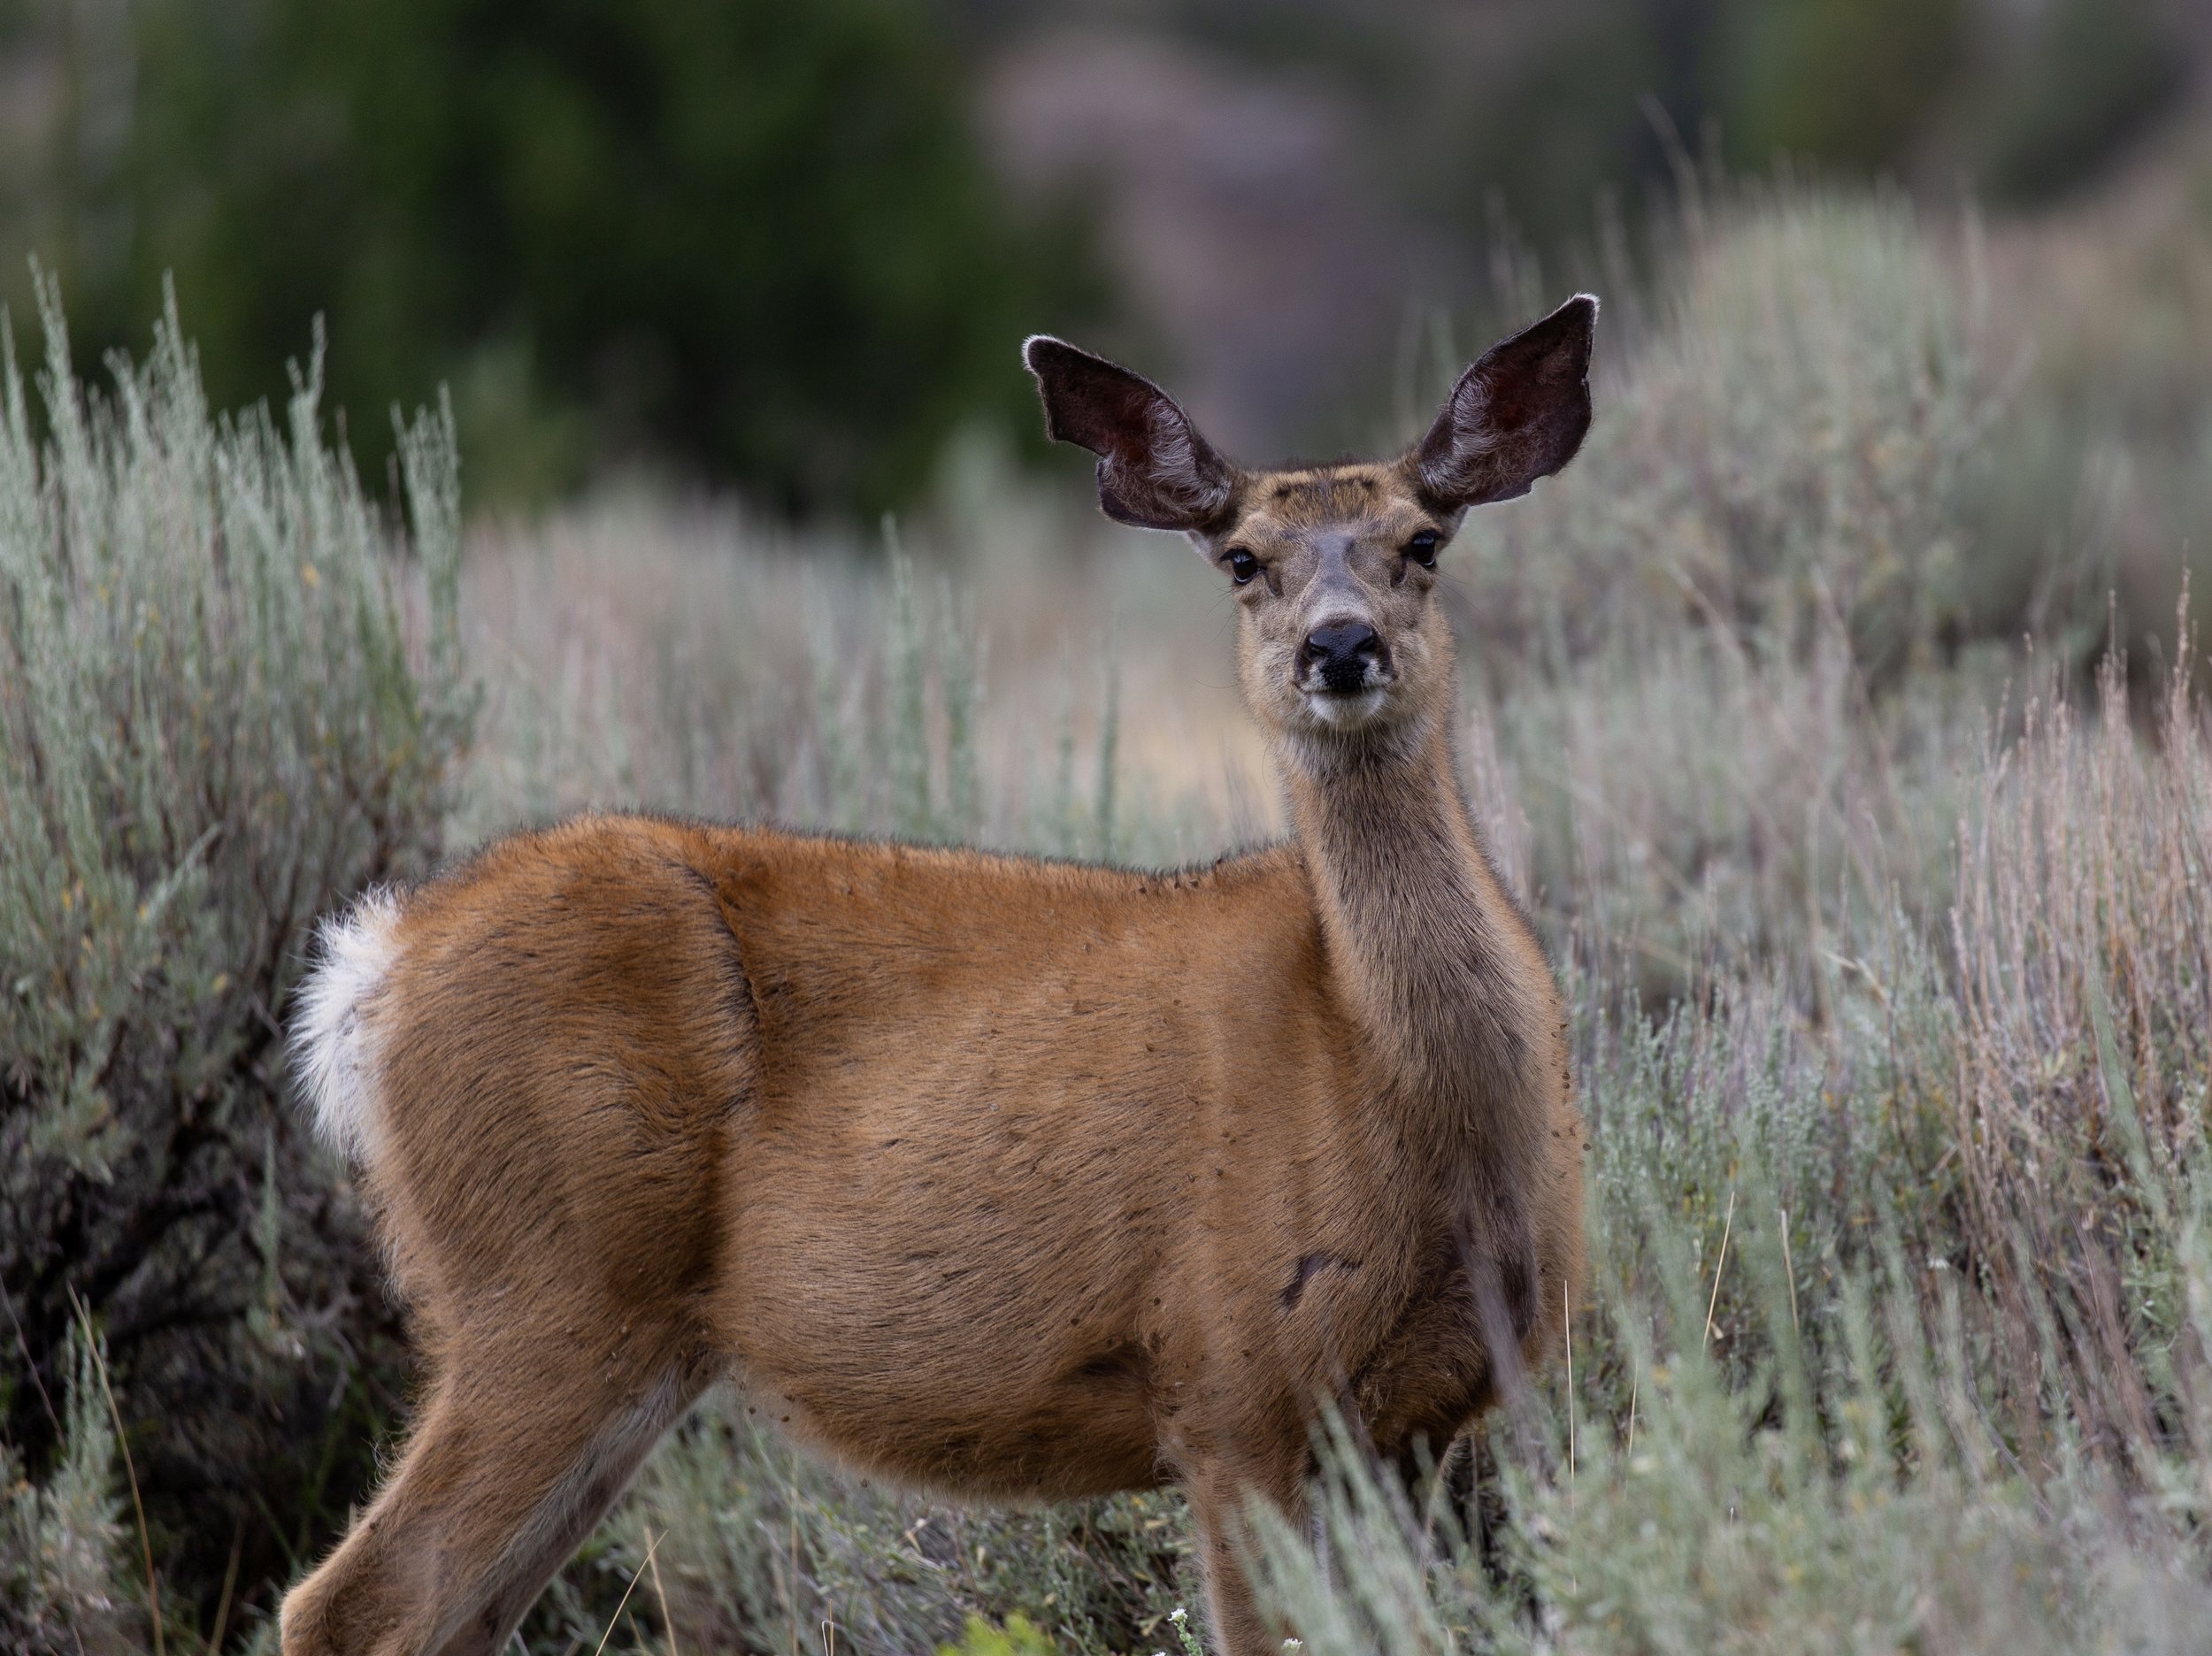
[[1434, 963]]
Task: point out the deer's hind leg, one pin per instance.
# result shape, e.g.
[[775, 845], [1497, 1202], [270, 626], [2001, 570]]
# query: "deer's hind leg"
[[521, 1447]]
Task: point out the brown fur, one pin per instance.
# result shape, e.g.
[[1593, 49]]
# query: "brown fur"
[[1007, 1178]]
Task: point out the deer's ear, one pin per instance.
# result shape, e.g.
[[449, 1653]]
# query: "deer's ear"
[[1518, 414], [1154, 471]]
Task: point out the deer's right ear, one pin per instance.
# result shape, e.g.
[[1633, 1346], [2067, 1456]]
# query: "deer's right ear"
[[1154, 471]]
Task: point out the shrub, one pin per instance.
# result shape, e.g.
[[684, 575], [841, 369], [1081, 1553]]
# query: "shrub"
[[220, 715], [61, 1542], [1785, 448], [1866, 1501]]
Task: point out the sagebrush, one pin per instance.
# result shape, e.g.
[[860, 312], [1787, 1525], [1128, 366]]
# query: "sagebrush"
[[230, 694]]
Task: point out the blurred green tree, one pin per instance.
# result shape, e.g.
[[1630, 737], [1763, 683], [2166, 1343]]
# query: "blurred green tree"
[[2075, 89], [1854, 83], [757, 240]]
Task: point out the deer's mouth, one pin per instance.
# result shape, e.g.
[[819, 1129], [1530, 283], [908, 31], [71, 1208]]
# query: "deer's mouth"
[[1344, 709]]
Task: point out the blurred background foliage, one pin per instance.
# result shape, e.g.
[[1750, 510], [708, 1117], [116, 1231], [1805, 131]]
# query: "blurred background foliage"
[[756, 243], [784, 248]]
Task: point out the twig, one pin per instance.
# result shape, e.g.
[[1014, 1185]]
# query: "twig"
[[1789, 1270], [1566, 1306], [667, 1620], [230, 1581], [145, 1541], [1632, 1378], [652, 1542], [1719, 1260]]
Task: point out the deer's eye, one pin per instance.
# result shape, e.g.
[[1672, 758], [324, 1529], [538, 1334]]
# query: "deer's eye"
[[1422, 548], [1242, 565]]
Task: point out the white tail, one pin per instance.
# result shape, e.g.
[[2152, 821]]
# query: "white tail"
[[333, 1044]]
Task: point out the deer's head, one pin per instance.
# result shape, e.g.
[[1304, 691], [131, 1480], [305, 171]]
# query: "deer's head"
[[1332, 567]]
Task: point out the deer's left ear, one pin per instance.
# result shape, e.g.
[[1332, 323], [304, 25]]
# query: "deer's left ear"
[[1518, 414], [1154, 471]]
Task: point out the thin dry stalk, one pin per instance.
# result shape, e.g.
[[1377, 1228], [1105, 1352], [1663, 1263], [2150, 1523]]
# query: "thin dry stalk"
[[1719, 1261], [145, 1541], [230, 1583], [652, 1544], [661, 1597], [1566, 1306], [1789, 1270]]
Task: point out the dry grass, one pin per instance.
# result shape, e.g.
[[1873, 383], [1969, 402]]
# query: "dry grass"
[[686, 660]]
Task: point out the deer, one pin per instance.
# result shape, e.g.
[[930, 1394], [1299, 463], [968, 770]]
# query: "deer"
[[1009, 1179]]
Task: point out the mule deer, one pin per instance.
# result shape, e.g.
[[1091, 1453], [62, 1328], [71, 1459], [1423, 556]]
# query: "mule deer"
[[1007, 1178]]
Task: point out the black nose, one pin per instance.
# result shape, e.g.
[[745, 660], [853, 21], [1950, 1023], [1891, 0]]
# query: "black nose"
[[1339, 653]]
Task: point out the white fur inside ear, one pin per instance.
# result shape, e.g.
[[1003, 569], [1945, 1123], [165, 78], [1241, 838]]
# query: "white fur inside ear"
[[334, 1032], [1172, 470], [1452, 468]]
